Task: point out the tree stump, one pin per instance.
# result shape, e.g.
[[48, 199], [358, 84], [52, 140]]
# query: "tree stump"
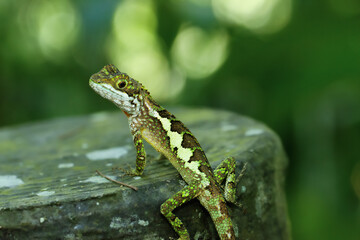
[[49, 188]]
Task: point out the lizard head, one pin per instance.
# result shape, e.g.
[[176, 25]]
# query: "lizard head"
[[118, 87]]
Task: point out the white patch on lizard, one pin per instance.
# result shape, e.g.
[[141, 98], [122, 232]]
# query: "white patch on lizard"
[[175, 141], [124, 101], [10, 181], [164, 121], [152, 112], [194, 166], [109, 153], [137, 105], [184, 153], [176, 138]]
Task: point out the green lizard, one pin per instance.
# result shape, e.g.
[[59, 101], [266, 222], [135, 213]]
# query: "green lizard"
[[149, 121]]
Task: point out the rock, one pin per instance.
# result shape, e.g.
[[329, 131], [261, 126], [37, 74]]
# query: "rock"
[[49, 188]]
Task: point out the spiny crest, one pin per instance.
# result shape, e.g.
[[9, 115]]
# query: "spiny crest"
[[110, 69]]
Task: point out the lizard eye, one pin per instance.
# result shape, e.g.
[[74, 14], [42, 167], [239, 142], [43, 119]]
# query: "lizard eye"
[[121, 84]]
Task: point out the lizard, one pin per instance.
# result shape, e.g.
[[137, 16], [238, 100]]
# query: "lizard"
[[163, 131]]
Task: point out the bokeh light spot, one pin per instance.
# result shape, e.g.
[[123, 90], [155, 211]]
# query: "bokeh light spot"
[[58, 26], [261, 16], [135, 48], [198, 53]]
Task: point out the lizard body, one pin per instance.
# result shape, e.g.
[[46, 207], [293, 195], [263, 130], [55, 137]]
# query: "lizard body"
[[149, 121]]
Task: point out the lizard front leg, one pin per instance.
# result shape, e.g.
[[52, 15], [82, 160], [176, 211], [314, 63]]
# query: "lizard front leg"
[[226, 169], [181, 197], [140, 156]]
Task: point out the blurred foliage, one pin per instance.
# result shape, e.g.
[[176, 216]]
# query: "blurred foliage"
[[289, 63]]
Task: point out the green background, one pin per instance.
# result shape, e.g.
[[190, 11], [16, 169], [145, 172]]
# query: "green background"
[[289, 63]]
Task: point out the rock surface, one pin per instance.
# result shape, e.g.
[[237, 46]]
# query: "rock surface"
[[49, 188]]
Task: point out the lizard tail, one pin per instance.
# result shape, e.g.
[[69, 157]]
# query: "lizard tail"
[[216, 206]]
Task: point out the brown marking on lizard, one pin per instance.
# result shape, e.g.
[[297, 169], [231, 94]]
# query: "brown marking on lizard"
[[177, 126], [189, 141]]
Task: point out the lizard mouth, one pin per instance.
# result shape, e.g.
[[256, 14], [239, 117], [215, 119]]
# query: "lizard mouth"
[[122, 100]]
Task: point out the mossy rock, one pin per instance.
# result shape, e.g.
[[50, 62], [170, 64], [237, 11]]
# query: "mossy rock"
[[49, 188]]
